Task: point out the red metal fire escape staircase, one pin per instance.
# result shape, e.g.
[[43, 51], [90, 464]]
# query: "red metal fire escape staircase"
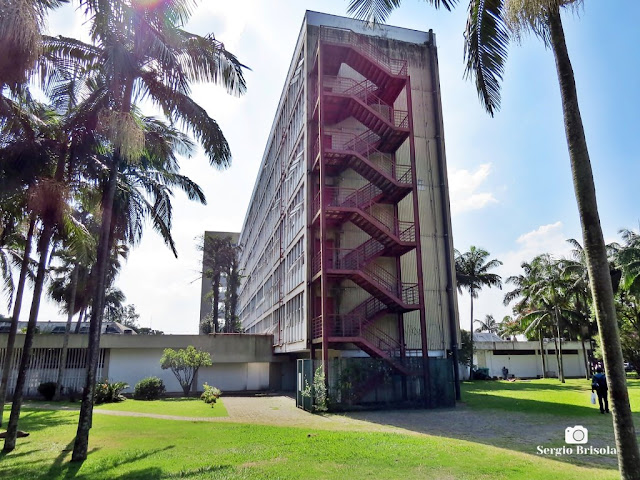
[[372, 155], [342, 150], [346, 46]]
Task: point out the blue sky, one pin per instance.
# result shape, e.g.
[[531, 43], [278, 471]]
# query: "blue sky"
[[510, 179]]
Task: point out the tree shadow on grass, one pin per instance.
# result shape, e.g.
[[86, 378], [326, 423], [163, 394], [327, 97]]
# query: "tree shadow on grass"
[[520, 427], [32, 420]]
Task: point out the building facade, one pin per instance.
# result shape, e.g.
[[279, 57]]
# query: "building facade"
[[346, 249], [531, 359], [240, 362]]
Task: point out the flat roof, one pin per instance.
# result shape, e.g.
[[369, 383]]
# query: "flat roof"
[[366, 28]]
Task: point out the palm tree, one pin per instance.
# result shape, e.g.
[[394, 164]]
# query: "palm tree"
[[629, 258], [472, 273], [218, 256], [24, 271], [231, 322], [21, 23], [509, 327], [490, 25], [524, 293], [47, 197], [65, 278], [140, 51], [488, 325]]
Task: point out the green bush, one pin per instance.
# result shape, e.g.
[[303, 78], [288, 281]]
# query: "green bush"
[[150, 388], [47, 390], [317, 392], [109, 392], [210, 394]]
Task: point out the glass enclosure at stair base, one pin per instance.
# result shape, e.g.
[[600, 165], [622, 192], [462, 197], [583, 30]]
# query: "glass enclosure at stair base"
[[373, 383]]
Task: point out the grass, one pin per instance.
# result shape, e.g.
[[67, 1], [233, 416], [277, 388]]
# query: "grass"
[[146, 448], [181, 407], [545, 396], [149, 448]]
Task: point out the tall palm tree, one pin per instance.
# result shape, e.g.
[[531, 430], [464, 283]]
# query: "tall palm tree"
[[47, 196], [219, 254], [488, 325], [231, 321], [139, 50], [490, 26], [65, 278], [24, 271], [473, 273]]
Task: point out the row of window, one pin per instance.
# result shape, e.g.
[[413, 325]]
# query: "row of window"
[[286, 133], [287, 323]]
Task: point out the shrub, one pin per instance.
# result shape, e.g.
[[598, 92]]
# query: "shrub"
[[317, 392], [47, 390], [109, 392], [150, 388], [210, 394]]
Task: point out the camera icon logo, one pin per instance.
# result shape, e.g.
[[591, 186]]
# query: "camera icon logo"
[[577, 435]]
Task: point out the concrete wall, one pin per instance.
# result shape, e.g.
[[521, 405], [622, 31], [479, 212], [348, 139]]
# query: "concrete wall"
[[495, 355], [240, 362]]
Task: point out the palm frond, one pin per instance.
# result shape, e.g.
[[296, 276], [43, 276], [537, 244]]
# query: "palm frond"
[[204, 59], [377, 11], [181, 108], [486, 41]]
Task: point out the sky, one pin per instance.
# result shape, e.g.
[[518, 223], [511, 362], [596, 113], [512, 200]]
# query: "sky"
[[509, 176]]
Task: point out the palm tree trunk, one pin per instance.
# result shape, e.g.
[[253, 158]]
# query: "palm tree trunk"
[[67, 331], [43, 249], [471, 336], [555, 342], [559, 350], [544, 363], [6, 368], [81, 444], [216, 301], [584, 356], [596, 255], [80, 319]]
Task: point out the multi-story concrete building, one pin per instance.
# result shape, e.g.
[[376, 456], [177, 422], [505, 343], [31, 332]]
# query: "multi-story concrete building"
[[347, 253]]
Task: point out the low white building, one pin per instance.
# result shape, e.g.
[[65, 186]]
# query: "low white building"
[[240, 362], [526, 359]]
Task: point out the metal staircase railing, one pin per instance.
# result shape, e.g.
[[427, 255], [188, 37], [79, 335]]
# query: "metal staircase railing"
[[343, 36], [352, 259], [363, 145], [362, 199], [365, 92], [369, 308]]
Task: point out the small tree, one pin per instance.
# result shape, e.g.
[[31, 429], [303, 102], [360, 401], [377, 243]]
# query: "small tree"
[[466, 350], [184, 364]]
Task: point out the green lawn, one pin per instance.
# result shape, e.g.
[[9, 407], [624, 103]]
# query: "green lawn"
[[545, 396], [182, 407], [146, 448]]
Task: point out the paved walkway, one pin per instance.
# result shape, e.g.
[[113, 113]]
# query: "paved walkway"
[[270, 410]]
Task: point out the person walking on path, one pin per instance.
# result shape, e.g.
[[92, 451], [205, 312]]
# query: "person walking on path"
[[599, 384]]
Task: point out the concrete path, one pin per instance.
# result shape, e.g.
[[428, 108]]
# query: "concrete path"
[[270, 410]]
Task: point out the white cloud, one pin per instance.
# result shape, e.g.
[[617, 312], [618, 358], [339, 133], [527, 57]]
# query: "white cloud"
[[463, 186]]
